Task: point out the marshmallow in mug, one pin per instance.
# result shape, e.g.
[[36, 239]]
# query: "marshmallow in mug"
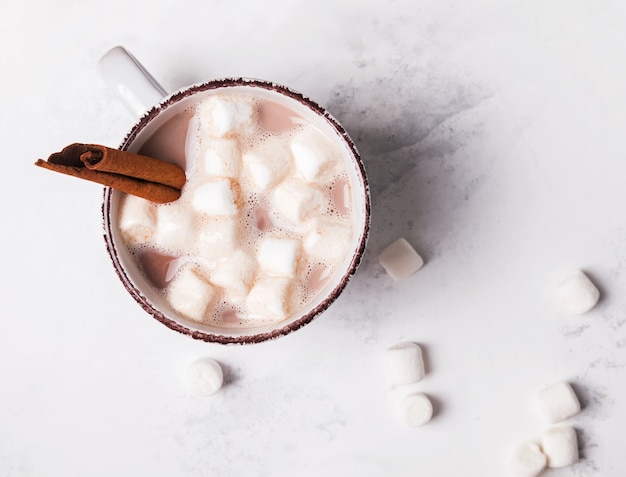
[[279, 256], [259, 271], [296, 200], [313, 154], [267, 165], [326, 239], [224, 116], [137, 219], [217, 238], [190, 293], [222, 158], [174, 227]]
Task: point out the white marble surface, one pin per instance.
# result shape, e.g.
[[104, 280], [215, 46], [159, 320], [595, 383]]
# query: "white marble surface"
[[492, 132]]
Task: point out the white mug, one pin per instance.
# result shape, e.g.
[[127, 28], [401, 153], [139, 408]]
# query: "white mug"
[[148, 100]]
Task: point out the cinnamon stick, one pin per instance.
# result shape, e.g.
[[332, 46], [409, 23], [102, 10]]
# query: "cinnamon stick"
[[143, 176]]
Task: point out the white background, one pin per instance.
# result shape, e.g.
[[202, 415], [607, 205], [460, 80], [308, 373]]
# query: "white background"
[[492, 132]]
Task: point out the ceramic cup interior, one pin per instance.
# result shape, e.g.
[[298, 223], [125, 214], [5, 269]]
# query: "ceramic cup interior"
[[135, 282]]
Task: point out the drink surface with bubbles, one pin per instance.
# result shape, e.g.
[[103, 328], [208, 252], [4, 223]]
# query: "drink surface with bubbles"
[[264, 222]]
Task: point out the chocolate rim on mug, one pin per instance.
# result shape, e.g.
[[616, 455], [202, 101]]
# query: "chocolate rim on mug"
[[123, 264]]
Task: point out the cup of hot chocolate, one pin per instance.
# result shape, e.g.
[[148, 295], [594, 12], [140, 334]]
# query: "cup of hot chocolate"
[[271, 223]]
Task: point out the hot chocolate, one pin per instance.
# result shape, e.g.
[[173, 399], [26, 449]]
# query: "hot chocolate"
[[264, 222]]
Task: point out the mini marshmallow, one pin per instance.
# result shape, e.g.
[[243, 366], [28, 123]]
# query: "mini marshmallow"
[[327, 239], [577, 294], [404, 363], [222, 158], [267, 165], [234, 275], [174, 229], [217, 238], [224, 117], [268, 298], [190, 294], [400, 260], [137, 219], [558, 402], [527, 460], [204, 377], [560, 445], [216, 198], [279, 256], [313, 154], [296, 200], [417, 409]]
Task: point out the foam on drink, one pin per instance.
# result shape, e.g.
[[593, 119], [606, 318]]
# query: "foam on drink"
[[266, 194]]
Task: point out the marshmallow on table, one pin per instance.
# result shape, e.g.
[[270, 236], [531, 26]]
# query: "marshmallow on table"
[[234, 275], [558, 402], [216, 197], [560, 445], [417, 409], [269, 298], [137, 219], [222, 158], [527, 460], [217, 238], [174, 231], [204, 377], [404, 363], [400, 260], [190, 294], [327, 239], [577, 294], [295, 200], [224, 117], [279, 256], [267, 165], [313, 154]]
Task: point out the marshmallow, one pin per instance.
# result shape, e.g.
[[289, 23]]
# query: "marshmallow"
[[527, 460], [222, 117], [295, 200], [137, 219], [217, 238], [216, 198], [279, 256], [560, 445], [577, 294], [268, 298], [327, 239], [190, 294], [175, 229], [558, 402], [267, 164], [204, 377], [400, 260], [313, 154], [404, 363], [417, 409], [235, 274], [222, 158]]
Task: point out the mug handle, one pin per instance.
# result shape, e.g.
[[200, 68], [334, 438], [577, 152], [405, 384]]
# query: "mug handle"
[[136, 87]]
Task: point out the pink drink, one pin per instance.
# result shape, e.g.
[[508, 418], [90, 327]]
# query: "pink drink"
[[264, 222]]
